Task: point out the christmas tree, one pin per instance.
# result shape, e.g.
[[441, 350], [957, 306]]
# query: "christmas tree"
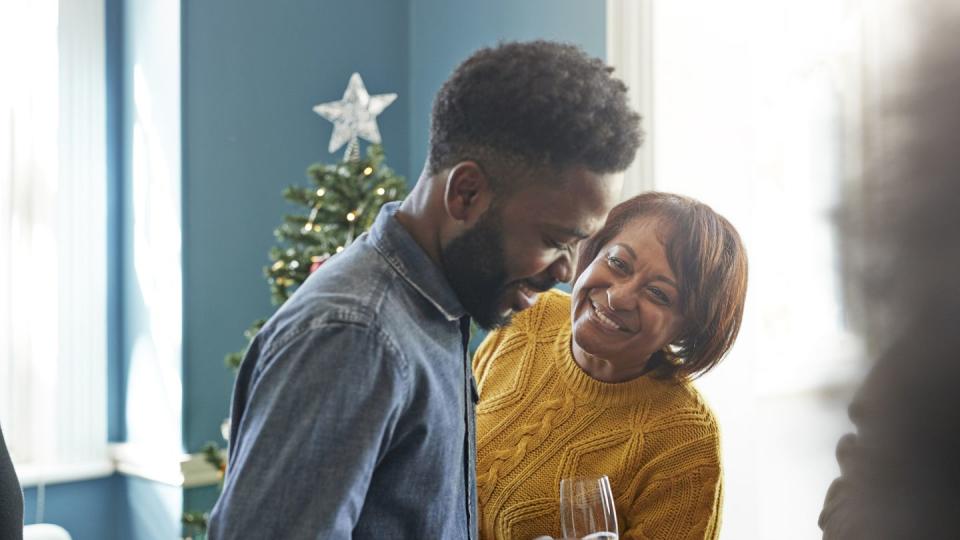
[[341, 202]]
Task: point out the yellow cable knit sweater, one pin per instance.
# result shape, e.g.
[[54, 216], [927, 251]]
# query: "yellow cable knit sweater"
[[541, 418]]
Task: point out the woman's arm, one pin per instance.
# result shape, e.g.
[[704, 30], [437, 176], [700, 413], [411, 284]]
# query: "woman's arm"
[[682, 497]]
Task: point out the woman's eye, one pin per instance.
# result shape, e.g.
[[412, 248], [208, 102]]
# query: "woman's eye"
[[660, 296], [617, 264]]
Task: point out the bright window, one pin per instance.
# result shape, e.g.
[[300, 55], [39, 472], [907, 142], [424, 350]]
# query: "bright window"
[[53, 237], [757, 108]]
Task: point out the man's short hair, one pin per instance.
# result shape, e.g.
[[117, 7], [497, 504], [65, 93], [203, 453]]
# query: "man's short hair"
[[535, 104]]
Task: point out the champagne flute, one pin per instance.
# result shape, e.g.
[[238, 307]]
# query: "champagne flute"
[[586, 508]]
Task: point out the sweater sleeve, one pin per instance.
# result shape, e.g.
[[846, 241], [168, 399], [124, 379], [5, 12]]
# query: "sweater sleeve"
[[682, 498]]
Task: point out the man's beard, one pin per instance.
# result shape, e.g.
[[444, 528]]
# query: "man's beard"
[[475, 267]]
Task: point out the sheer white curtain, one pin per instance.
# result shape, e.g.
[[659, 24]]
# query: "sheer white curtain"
[[759, 108], [53, 234]]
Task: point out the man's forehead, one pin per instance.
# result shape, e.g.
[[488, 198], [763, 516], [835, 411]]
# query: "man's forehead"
[[583, 194], [568, 214]]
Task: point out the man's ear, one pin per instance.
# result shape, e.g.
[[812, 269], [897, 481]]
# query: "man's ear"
[[468, 193]]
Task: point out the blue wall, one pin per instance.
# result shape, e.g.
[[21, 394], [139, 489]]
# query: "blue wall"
[[150, 511], [443, 33], [90, 510], [114, 88], [150, 182], [116, 507]]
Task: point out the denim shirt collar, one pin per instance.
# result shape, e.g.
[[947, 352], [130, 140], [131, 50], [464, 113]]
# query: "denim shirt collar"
[[406, 256]]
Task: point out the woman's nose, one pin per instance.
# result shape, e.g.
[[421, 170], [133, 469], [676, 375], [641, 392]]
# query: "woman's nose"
[[618, 298]]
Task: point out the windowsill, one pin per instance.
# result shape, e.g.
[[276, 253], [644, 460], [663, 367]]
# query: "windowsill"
[[62, 473], [185, 470]]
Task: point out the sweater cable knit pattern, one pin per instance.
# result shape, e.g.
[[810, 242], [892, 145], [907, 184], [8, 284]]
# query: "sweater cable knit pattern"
[[541, 418]]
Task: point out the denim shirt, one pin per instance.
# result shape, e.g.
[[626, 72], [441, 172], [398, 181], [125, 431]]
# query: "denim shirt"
[[353, 412]]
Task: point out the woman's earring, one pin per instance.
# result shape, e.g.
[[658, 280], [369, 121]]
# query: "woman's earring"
[[672, 357]]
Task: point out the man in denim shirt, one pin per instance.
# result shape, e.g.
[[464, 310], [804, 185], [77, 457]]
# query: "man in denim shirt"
[[353, 413]]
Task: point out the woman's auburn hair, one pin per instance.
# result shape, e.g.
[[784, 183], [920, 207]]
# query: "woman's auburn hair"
[[706, 254]]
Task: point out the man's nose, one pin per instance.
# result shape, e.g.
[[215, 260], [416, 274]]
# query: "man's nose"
[[562, 268]]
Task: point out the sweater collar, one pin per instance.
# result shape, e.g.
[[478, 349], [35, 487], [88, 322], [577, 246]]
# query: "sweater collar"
[[590, 390]]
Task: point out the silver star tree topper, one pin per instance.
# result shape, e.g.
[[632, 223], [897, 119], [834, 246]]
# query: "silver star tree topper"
[[354, 116]]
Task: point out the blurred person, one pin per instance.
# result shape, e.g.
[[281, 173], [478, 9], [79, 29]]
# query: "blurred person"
[[353, 412], [11, 497], [598, 382], [900, 471]]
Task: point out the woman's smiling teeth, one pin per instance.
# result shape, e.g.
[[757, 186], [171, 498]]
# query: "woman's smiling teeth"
[[604, 320]]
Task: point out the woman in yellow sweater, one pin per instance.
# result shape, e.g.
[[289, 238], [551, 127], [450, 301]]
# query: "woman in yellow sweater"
[[598, 381]]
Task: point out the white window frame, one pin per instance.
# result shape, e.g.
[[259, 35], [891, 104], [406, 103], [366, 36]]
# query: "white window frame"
[[629, 43]]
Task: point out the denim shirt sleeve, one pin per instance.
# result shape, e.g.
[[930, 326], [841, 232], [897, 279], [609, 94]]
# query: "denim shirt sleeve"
[[316, 415]]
